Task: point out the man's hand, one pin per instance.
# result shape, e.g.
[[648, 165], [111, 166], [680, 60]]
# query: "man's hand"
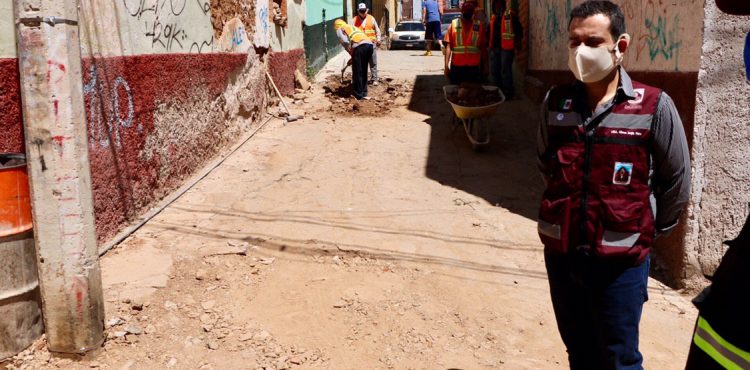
[[446, 71]]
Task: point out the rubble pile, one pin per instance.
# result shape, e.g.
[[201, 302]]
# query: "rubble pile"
[[470, 95], [383, 97]]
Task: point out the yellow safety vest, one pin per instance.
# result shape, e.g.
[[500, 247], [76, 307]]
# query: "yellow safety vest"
[[723, 352], [354, 34]]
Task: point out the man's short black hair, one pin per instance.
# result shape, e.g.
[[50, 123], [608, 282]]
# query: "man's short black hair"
[[495, 3], [608, 8]]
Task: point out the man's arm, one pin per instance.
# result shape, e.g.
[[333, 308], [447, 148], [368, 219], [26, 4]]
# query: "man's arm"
[[447, 44], [541, 137], [424, 12], [377, 29], [344, 40], [518, 30], [671, 165]]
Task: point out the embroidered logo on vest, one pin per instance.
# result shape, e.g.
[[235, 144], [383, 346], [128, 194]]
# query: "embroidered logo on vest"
[[636, 102]]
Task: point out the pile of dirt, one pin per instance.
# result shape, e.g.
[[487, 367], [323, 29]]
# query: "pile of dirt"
[[383, 97], [471, 95]]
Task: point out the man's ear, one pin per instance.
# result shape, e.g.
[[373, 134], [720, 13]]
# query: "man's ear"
[[623, 42]]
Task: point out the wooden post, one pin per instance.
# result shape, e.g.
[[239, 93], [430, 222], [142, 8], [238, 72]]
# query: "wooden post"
[[49, 57]]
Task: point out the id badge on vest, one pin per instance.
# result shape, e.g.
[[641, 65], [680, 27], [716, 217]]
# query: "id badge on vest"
[[622, 174]]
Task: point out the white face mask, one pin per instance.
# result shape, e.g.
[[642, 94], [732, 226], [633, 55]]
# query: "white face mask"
[[594, 64]]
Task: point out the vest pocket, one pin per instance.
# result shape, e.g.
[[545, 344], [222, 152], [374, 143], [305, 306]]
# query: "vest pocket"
[[554, 223], [620, 218], [567, 168]]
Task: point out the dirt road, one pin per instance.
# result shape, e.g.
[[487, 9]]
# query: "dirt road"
[[351, 241]]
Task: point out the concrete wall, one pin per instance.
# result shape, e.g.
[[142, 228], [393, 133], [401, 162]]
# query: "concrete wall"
[[320, 37], [664, 52], [721, 175], [164, 91]]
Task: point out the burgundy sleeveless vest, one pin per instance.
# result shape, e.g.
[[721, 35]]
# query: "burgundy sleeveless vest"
[[598, 189]]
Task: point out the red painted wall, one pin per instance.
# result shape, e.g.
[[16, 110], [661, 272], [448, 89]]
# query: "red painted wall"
[[11, 128], [281, 66], [121, 96]]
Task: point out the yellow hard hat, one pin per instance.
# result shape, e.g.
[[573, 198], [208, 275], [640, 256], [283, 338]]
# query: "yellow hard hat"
[[338, 24]]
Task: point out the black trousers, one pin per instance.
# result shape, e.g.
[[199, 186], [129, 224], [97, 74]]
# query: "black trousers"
[[360, 58], [469, 74]]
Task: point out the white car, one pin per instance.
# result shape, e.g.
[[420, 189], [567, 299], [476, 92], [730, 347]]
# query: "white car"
[[408, 34]]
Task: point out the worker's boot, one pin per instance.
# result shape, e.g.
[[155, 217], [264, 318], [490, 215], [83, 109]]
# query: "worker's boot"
[[428, 53]]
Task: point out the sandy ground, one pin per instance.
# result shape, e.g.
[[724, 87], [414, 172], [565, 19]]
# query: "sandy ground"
[[368, 241]]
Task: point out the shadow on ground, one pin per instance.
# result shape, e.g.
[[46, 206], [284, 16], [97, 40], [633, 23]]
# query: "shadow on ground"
[[505, 172]]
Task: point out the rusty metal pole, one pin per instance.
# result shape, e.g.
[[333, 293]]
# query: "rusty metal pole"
[[49, 56]]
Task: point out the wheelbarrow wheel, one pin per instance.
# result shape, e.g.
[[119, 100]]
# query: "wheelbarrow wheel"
[[479, 131]]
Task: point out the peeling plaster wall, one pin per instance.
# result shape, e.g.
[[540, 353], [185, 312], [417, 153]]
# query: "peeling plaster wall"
[[163, 94], [721, 175], [287, 47], [289, 37]]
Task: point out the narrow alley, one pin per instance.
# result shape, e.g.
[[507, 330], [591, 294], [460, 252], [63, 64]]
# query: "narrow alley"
[[342, 242]]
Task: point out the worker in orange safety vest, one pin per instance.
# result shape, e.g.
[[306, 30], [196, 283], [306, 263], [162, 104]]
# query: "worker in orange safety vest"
[[504, 38], [367, 24], [465, 47]]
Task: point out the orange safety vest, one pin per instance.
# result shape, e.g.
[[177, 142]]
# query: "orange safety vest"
[[507, 34], [355, 35], [367, 26], [465, 48]]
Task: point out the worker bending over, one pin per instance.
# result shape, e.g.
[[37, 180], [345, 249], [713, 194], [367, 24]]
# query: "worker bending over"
[[359, 46]]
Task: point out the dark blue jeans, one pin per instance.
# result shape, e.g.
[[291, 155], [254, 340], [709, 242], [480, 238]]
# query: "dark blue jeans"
[[501, 70], [598, 308], [360, 58]]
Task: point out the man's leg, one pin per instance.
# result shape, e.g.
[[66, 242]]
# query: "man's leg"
[[374, 66], [428, 36], [571, 301], [367, 51], [456, 75], [495, 68], [358, 83], [507, 73], [474, 75], [618, 306]]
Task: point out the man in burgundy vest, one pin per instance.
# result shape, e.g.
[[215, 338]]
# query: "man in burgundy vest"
[[616, 165]]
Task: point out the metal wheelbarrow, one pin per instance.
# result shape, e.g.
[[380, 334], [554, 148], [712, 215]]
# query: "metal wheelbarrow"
[[474, 119]]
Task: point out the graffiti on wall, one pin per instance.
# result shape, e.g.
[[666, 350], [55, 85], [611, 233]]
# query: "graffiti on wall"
[[110, 109], [169, 26], [262, 35], [234, 37], [659, 32]]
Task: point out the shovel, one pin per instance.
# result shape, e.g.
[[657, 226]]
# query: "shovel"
[[343, 70]]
